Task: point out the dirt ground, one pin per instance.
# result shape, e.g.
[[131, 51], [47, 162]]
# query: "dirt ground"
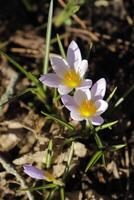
[[25, 132]]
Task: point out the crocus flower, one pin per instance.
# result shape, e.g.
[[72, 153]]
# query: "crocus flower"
[[87, 104], [38, 173], [69, 73]]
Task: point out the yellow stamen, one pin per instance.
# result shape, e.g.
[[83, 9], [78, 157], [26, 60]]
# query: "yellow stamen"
[[49, 177], [87, 108], [71, 79]]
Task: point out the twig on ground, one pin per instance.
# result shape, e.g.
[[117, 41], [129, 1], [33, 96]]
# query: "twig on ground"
[[88, 33]]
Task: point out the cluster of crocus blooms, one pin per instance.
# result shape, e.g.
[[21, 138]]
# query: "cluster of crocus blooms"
[[87, 102]]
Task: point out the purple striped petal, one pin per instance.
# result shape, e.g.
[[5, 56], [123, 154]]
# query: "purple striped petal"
[[69, 102], [96, 120], [83, 68], [62, 89], [80, 96], [74, 55], [98, 90], [34, 172], [101, 106], [59, 65], [86, 84], [51, 80], [76, 116]]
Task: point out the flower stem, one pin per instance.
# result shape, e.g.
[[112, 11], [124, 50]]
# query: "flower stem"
[[98, 142], [62, 195]]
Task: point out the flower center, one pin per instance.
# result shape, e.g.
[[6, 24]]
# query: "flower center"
[[48, 176], [71, 79], [87, 108]]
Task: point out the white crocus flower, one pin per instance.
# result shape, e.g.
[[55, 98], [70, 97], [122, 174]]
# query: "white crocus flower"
[[87, 104], [69, 73]]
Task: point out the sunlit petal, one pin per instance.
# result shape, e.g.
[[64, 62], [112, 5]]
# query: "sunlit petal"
[[101, 106], [59, 65], [82, 68], [51, 80], [76, 116], [79, 96], [69, 102], [62, 89], [34, 172], [98, 90], [85, 84], [73, 55], [96, 120]]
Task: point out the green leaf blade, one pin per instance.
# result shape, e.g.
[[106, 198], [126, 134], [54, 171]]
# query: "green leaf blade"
[[63, 123], [93, 160], [29, 75], [48, 38], [61, 47], [117, 147], [43, 187], [105, 126]]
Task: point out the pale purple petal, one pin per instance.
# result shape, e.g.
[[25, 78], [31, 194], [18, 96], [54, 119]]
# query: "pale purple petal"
[[86, 84], [34, 172], [62, 89], [98, 90], [88, 94], [73, 55], [69, 102], [51, 80], [96, 120], [82, 95], [59, 65], [76, 116], [79, 96], [82, 68], [101, 106]]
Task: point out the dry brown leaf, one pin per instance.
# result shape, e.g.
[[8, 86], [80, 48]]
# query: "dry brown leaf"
[[77, 195], [80, 150], [8, 141], [112, 167], [60, 157], [38, 157], [58, 170]]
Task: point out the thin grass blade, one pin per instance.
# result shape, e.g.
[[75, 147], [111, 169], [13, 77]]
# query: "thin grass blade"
[[61, 47], [62, 194], [29, 75], [18, 95], [48, 38], [43, 187], [63, 123], [107, 125], [68, 162], [111, 95], [52, 194], [117, 147], [93, 160], [124, 96]]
